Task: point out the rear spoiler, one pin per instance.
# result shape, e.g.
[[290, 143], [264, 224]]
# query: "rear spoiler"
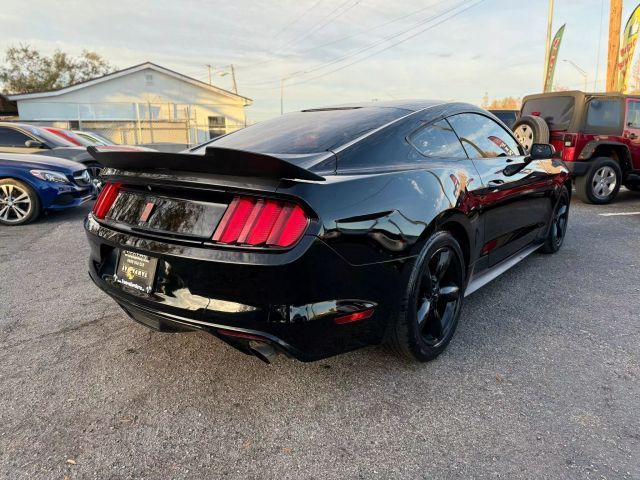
[[221, 161]]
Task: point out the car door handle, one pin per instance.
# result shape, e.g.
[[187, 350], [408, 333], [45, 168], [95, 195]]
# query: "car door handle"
[[495, 183], [632, 136]]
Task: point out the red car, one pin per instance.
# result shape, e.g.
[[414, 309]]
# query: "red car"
[[596, 134]]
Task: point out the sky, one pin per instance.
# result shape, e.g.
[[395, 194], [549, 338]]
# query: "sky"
[[330, 51]]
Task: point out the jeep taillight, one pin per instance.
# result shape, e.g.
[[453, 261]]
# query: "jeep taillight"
[[261, 222], [105, 200], [569, 140], [569, 147]]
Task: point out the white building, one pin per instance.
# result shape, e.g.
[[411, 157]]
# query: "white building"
[[143, 104]]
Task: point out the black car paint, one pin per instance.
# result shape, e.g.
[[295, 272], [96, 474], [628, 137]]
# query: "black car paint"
[[368, 225]]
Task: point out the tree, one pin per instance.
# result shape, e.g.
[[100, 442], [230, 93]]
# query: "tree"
[[506, 103], [27, 70]]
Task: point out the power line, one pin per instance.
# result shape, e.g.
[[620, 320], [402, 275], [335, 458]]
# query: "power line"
[[388, 47], [385, 39], [296, 18], [389, 22], [357, 34], [304, 35], [374, 44], [323, 23]]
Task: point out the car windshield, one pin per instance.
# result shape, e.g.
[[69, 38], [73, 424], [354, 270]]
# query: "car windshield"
[[308, 131], [51, 138], [556, 111], [81, 140], [94, 138]]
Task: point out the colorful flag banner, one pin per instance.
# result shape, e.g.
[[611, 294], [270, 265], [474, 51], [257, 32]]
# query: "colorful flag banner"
[[625, 56], [553, 59]]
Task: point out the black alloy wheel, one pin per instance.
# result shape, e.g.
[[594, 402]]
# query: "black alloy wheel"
[[439, 294], [558, 228], [431, 308]]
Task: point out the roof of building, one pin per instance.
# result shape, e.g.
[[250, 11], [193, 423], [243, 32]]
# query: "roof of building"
[[121, 73]]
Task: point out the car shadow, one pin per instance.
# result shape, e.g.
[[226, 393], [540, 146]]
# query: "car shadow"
[[626, 196], [71, 214]]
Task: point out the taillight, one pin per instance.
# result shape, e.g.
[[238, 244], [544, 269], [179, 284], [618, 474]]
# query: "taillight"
[[569, 154], [569, 140], [261, 222], [105, 200]]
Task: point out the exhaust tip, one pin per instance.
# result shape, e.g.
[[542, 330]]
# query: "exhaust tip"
[[263, 351]]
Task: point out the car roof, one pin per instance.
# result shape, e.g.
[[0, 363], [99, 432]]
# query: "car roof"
[[18, 124], [409, 105]]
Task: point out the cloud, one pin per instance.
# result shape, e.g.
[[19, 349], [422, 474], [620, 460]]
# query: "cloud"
[[497, 46]]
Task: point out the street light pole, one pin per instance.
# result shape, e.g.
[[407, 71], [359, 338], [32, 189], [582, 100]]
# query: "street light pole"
[[580, 70]]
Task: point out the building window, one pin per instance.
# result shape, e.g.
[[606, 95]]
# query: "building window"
[[148, 79], [217, 126]]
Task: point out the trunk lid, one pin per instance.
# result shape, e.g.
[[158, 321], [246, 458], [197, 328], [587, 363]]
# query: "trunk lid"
[[184, 196]]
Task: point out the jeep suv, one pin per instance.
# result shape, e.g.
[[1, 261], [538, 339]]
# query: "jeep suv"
[[596, 134]]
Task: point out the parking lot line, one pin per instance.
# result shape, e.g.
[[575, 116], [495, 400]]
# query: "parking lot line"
[[618, 214]]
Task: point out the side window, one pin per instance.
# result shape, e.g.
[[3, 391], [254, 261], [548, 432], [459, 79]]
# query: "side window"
[[633, 114], [481, 137], [10, 137], [603, 116], [437, 140]]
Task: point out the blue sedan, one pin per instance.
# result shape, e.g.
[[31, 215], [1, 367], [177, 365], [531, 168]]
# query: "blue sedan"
[[32, 184]]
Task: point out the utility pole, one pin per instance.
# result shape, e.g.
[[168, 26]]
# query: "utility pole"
[[547, 49], [615, 18], [233, 77], [209, 69]]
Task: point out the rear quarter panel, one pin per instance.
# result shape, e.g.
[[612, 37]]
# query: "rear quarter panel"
[[386, 198]]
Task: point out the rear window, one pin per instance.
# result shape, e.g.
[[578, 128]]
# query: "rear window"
[[556, 111], [603, 116], [309, 131], [506, 117]]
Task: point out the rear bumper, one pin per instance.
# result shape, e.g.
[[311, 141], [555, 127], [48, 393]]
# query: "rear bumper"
[[288, 301]]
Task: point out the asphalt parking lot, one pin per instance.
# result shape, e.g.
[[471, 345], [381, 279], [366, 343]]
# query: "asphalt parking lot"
[[541, 381]]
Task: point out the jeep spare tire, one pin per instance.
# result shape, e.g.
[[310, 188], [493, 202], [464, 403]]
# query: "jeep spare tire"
[[529, 130]]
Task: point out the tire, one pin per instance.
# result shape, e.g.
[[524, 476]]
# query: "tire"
[[601, 183], [19, 203], [529, 130], [94, 169], [428, 314], [558, 228], [634, 187]]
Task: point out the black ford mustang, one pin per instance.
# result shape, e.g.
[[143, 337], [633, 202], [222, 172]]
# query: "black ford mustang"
[[326, 230]]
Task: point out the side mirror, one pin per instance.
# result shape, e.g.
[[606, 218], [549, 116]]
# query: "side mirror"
[[34, 144], [540, 151]]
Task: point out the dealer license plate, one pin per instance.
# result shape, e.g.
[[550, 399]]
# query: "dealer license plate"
[[136, 271]]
